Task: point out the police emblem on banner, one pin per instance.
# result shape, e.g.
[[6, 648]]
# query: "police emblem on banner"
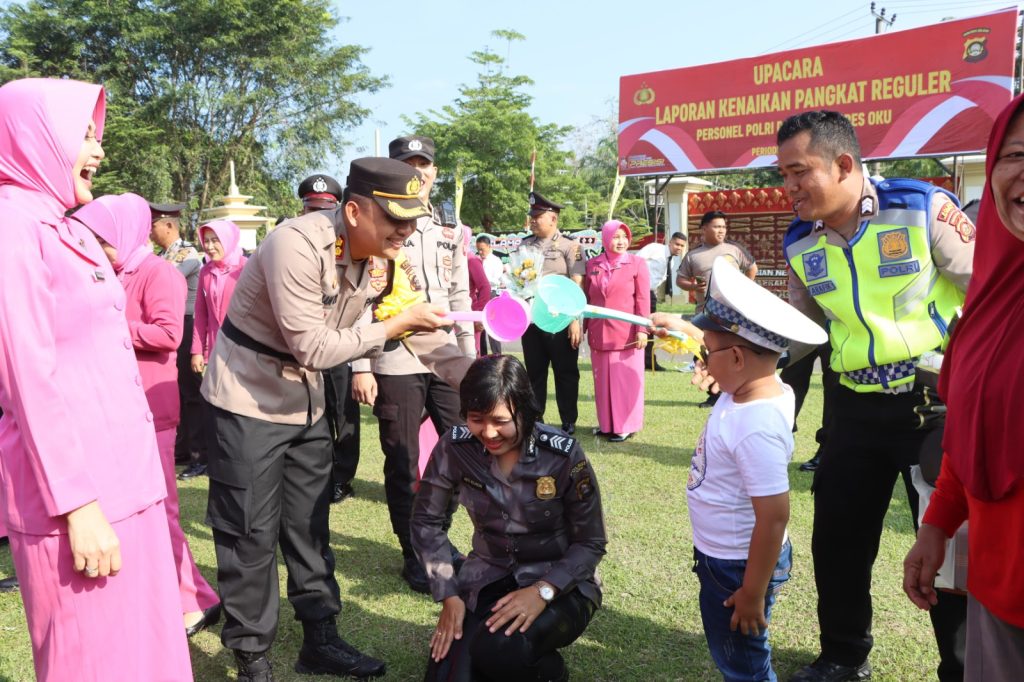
[[815, 265], [894, 245], [975, 44]]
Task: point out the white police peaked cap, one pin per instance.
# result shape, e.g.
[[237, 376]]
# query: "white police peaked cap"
[[737, 304]]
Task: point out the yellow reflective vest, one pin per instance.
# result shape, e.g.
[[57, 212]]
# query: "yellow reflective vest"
[[885, 299]]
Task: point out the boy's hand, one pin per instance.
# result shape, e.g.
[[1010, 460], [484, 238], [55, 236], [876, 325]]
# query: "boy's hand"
[[748, 612]]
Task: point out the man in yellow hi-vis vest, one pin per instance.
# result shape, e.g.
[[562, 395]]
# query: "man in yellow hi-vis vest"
[[885, 265]]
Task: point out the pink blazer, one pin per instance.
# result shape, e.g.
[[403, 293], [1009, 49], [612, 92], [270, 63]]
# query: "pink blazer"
[[76, 425], [212, 299], [628, 289], [156, 294]]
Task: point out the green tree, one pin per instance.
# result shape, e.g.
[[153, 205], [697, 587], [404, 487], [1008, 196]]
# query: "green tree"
[[486, 137], [192, 84]]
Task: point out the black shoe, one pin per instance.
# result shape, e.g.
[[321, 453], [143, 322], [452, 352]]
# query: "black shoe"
[[601, 434], [569, 428], [812, 463], [413, 573], [9, 584], [619, 437], [253, 666], [323, 652], [827, 671], [4, 541], [709, 403], [194, 470], [341, 492], [211, 617]]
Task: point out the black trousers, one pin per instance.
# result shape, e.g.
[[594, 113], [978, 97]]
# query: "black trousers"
[[798, 376], [269, 485], [649, 348], [874, 439], [481, 656], [343, 418], [190, 442], [541, 349], [401, 400]]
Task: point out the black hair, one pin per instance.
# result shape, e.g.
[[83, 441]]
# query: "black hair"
[[711, 215], [496, 379], [832, 133], [280, 219], [484, 239], [677, 235]]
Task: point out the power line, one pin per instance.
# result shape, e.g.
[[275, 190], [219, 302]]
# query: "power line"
[[816, 29]]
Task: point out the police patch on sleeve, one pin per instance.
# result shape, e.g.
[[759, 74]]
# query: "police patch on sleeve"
[[461, 434]]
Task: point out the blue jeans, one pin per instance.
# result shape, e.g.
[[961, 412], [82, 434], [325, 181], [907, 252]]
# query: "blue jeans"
[[739, 657]]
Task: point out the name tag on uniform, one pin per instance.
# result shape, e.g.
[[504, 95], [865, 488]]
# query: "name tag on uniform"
[[472, 483]]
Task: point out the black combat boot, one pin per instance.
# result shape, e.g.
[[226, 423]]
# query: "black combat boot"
[[253, 666], [323, 652]]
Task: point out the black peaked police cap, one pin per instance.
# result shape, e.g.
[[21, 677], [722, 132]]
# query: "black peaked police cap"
[[392, 184]]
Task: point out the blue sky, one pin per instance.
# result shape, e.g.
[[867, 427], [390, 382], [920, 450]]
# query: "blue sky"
[[575, 51]]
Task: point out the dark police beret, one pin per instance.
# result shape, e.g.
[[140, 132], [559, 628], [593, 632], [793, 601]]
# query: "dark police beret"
[[166, 210], [409, 146], [392, 184], [320, 187], [538, 203]]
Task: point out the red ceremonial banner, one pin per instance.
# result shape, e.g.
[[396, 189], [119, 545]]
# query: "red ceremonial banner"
[[927, 91]]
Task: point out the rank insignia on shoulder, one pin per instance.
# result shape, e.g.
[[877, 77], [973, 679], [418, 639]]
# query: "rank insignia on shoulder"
[[546, 488], [558, 443], [461, 434]]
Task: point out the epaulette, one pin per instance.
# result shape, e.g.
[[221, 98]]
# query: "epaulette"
[[554, 439], [461, 434]]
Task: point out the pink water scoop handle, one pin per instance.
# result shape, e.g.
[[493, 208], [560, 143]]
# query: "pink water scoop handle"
[[465, 315]]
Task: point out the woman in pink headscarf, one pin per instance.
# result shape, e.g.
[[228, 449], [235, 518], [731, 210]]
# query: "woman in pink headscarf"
[[156, 294], [616, 279], [82, 489], [222, 241]]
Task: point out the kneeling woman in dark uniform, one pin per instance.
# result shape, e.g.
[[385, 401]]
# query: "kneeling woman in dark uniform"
[[529, 586]]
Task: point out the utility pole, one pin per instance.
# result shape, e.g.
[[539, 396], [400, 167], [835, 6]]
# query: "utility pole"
[[881, 24], [880, 19]]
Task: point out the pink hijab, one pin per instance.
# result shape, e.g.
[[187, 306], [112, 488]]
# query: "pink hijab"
[[609, 261], [43, 122], [231, 239], [123, 221]]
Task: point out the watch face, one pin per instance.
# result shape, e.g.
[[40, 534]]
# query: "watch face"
[[547, 593]]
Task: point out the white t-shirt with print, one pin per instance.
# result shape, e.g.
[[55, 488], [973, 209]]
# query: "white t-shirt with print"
[[742, 452]]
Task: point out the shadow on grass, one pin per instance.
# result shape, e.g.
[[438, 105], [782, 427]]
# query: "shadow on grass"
[[622, 646]]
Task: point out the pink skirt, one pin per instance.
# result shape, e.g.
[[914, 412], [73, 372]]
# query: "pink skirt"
[[196, 593], [619, 389], [128, 627]]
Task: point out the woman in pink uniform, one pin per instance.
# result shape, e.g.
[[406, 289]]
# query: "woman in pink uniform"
[[155, 309], [616, 279], [222, 241], [82, 492]]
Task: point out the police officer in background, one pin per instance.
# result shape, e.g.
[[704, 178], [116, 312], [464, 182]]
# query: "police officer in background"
[[889, 263], [400, 388], [323, 193], [190, 441], [562, 256]]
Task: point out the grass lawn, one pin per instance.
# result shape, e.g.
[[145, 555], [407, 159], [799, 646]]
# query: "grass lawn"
[[649, 628]]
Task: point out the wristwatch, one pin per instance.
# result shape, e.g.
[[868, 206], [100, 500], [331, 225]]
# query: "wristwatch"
[[547, 593]]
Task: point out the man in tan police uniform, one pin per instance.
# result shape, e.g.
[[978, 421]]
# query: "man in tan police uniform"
[[400, 387], [292, 314], [562, 256]]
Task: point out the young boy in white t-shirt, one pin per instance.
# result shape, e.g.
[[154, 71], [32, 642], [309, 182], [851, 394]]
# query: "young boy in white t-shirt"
[[738, 486]]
